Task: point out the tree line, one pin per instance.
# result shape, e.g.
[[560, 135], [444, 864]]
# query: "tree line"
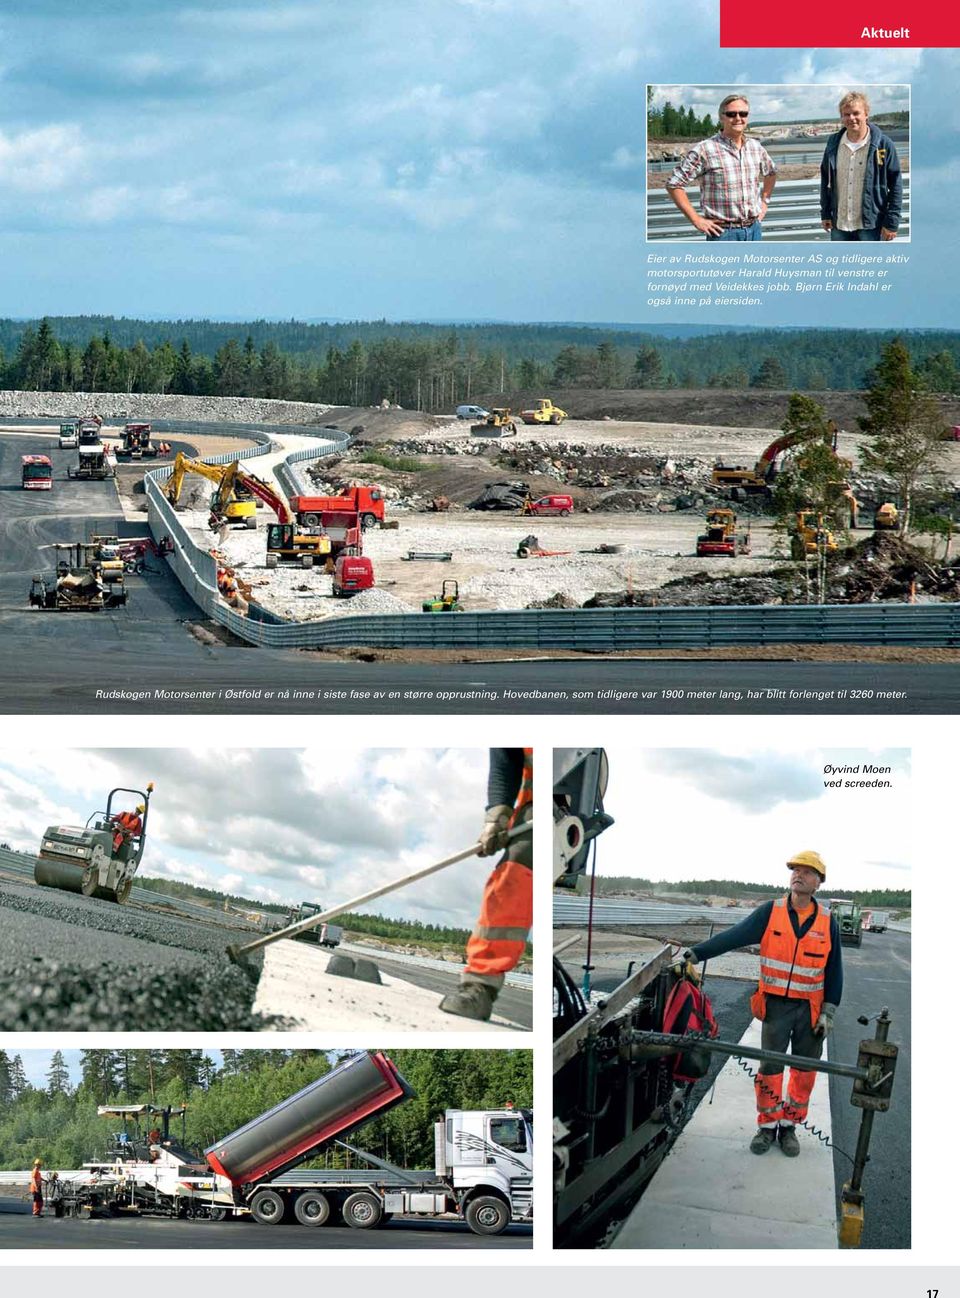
[[674, 122], [435, 368], [610, 885], [58, 1122]]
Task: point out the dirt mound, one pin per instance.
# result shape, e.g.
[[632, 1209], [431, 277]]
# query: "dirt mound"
[[559, 600], [886, 567], [701, 589]]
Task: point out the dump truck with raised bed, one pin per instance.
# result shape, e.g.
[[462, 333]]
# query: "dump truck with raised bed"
[[544, 412], [100, 858], [483, 1172], [365, 501], [343, 531]]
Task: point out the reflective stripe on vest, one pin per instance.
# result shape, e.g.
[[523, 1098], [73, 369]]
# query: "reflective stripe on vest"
[[791, 966], [525, 796]]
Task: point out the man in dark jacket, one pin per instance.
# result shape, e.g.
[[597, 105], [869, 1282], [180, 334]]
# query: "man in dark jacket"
[[861, 187]]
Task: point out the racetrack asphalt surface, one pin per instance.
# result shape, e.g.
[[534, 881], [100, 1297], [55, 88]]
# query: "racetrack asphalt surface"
[[59, 661], [19, 1230]]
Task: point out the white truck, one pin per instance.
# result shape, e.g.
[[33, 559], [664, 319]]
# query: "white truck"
[[879, 919], [482, 1173]]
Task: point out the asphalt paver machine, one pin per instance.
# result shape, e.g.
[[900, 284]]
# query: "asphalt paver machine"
[[98, 859]]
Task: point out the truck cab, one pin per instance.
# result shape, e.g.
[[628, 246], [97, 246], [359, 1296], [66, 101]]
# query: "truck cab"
[[487, 1155]]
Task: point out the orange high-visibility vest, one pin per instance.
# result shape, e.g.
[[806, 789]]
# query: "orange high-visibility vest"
[[792, 966], [525, 795], [36, 1180], [128, 821]]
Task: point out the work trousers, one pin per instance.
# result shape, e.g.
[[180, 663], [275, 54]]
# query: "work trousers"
[[786, 1023], [37, 1197], [506, 913]]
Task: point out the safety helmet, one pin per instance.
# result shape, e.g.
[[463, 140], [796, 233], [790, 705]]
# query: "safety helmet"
[[812, 860], [140, 807], [36, 1162]]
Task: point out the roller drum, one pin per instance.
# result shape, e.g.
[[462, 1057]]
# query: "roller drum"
[[68, 876], [340, 1101]]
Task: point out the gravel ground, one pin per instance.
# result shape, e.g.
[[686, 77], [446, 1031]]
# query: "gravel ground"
[[121, 968]]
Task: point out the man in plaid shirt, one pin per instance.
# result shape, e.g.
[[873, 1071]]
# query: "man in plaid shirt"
[[736, 176]]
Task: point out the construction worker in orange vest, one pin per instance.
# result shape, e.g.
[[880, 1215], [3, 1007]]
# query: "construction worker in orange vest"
[[506, 913], [127, 825], [801, 983], [36, 1187]]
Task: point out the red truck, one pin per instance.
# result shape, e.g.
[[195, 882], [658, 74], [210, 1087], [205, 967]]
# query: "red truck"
[[352, 574], [36, 472], [344, 529], [366, 501]]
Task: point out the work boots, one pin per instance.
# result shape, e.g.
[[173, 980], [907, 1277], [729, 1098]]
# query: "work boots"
[[470, 1001], [789, 1144], [762, 1141]]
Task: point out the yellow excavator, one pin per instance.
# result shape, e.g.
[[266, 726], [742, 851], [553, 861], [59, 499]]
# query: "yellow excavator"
[[234, 501]]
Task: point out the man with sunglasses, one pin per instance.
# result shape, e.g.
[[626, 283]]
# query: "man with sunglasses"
[[736, 177]]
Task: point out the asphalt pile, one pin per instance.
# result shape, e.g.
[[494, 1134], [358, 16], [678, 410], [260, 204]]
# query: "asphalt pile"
[[43, 995]]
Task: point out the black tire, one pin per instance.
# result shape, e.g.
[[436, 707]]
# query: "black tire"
[[311, 520], [564, 513], [267, 1207], [362, 1211], [368, 521], [216, 1212], [487, 1215], [312, 1209]]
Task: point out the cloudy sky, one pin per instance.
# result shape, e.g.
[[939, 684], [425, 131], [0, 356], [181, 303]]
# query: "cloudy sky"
[[781, 103], [414, 159], [728, 813], [277, 824]]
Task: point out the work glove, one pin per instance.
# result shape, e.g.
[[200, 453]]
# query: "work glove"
[[824, 1023], [493, 835], [686, 967]]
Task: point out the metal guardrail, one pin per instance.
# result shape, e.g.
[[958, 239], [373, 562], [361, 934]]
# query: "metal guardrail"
[[794, 214], [609, 913], [593, 630]]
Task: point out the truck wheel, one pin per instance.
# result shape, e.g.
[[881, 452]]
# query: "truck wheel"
[[267, 1207], [368, 521], [362, 1210], [564, 513], [217, 1212], [312, 1209], [487, 1215], [554, 419], [311, 520]]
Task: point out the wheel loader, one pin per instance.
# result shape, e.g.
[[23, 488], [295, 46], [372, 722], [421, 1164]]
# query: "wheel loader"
[[88, 859]]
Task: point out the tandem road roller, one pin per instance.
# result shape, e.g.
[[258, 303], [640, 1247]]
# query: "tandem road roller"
[[100, 858]]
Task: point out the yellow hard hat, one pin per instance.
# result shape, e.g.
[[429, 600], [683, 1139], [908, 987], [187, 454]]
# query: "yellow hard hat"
[[812, 860], [36, 1162]]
